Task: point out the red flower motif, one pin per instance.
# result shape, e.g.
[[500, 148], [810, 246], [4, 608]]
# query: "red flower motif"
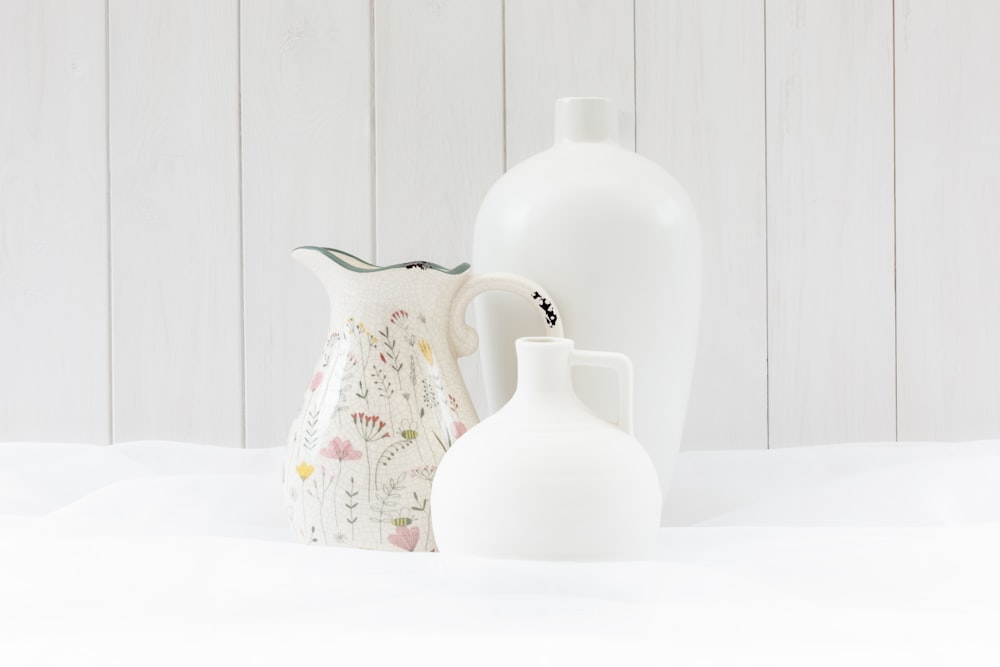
[[457, 430], [399, 317], [340, 450], [369, 426], [406, 537]]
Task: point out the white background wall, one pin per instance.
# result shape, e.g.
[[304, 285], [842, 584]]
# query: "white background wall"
[[159, 158]]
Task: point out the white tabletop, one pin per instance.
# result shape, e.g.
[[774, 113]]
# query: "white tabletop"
[[161, 553]]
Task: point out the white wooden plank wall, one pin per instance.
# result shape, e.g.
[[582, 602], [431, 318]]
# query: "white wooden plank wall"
[[558, 48], [700, 113], [54, 363], [176, 303], [948, 218], [831, 357], [158, 160], [307, 161]]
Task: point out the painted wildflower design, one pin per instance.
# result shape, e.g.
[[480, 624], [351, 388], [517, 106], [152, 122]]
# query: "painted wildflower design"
[[340, 450], [304, 470], [376, 419], [405, 537]]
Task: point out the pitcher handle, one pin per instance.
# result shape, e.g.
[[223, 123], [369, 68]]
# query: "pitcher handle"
[[465, 340], [622, 365]]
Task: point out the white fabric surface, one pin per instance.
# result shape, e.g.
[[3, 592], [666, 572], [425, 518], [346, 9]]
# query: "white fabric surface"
[[172, 553]]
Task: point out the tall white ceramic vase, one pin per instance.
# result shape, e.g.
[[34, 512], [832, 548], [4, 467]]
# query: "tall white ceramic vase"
[[615, 240]]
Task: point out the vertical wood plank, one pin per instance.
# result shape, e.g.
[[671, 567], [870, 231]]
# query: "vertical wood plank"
[[54, 382], [830, 221], [438, 124], [565, 48], [439, 131], [175, 221], [948, 226], [307, 156], [700, 114]]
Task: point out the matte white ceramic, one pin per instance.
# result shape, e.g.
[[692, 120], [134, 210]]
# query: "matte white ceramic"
[[544, 478], [615, 240]]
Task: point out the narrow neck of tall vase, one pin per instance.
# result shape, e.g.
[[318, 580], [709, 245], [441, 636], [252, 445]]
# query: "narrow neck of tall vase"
[[586, 119]]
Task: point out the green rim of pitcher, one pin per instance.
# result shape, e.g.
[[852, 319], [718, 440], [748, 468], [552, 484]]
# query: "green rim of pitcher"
[[366, 267]]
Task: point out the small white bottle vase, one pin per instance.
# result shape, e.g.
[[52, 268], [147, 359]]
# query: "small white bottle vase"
[[615, 240], [544, 478]]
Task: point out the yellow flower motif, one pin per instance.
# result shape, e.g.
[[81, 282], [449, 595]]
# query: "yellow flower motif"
[[425, 349], [304, 470]]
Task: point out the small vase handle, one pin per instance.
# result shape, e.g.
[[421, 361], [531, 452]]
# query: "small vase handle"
[[623, 366], [464, 338]]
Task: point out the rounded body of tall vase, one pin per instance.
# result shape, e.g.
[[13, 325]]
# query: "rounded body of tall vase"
[[615, 240]]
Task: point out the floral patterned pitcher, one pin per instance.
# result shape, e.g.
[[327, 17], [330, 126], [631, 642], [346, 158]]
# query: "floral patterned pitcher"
[[387, 399]]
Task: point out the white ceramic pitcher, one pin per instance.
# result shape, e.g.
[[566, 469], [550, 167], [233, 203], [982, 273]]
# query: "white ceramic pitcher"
[[386, 400]]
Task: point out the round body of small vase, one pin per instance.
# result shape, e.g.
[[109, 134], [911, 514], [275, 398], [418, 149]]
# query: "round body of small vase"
[[544, 478]]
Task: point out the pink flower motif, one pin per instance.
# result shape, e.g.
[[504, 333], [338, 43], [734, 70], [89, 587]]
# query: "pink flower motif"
[[406, 537], [316, 380], [457, 430], [340, 450], [424, 472]]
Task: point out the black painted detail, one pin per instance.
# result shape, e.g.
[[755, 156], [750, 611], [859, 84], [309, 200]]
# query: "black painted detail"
[[419, 265], [550, 312]]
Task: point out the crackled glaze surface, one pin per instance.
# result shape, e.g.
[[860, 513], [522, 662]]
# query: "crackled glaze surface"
[[386, 399], [377, 417]]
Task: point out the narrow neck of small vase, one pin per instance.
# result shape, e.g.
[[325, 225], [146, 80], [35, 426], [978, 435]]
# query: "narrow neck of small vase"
[[586, 119], [543, 366]]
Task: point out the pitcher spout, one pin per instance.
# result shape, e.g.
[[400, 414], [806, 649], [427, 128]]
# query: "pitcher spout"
[[320, 260]]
